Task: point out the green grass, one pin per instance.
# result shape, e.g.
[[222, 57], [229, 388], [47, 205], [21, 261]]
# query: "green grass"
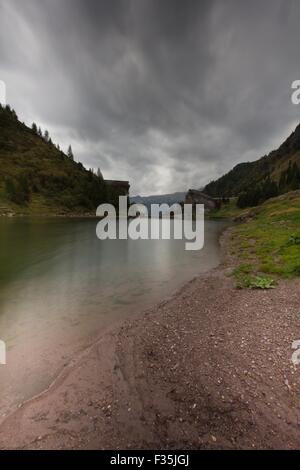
[[245, 278], [228, 210], [268, 244]]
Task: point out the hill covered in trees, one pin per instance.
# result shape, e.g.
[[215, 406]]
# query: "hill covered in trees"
[[272, 175], [36, 177]]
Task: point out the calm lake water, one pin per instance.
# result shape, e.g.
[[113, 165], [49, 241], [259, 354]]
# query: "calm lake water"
[[60, 287]]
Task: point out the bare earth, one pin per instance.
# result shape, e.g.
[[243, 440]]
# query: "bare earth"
[[209, 368]]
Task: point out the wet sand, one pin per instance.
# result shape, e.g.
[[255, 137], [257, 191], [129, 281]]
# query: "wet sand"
[[209, 367]]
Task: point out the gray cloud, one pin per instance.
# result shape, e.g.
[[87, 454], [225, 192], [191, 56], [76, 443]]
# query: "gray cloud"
[[168, 94]]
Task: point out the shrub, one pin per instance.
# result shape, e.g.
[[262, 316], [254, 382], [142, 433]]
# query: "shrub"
[[262, 282]]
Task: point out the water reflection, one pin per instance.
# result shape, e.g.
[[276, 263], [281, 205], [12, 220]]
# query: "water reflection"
[[60, 286]]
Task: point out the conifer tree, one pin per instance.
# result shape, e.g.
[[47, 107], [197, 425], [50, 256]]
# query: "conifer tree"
[[99, 174], [70, 153]]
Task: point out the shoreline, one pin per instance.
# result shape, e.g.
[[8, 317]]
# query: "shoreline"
[[162, 380], [116, 325]]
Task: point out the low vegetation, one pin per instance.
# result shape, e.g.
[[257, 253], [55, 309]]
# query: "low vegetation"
[[268, 242], [227, 210], [245, 278]]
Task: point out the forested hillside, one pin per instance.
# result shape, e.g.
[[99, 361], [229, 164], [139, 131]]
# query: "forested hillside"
[[271, 175], [37, 177]]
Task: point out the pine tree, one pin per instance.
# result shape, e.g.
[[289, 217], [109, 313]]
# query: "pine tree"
[[289, 175], [70, 153], [34, 128], [295, 183], [282, 182], [99, 174], [46, 136], [10, 189]]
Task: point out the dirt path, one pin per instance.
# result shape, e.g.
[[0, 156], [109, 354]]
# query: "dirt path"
[[209, 368]]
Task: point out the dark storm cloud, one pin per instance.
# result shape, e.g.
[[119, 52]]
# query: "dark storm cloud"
[[168, 94]]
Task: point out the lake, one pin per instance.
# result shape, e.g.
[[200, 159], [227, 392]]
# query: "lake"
[[60, 287]]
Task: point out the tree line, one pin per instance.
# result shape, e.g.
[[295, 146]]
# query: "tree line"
[[46, 136], [289, 181]]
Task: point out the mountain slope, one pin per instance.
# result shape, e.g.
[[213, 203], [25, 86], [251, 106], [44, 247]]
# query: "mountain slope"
[[281, 166], [36, 177], [171, 198]]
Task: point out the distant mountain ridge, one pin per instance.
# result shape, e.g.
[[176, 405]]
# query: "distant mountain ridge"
[[281, 168], [171, 198]]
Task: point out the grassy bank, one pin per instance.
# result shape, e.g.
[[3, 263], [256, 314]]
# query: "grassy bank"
[[267, 244], [40, 206]]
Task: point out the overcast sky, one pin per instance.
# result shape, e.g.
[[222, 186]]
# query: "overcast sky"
[[168, 94]]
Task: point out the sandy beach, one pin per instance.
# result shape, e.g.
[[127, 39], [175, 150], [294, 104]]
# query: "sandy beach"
[[208, 368]]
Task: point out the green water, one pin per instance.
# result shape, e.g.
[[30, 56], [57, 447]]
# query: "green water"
[[60, 287]]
